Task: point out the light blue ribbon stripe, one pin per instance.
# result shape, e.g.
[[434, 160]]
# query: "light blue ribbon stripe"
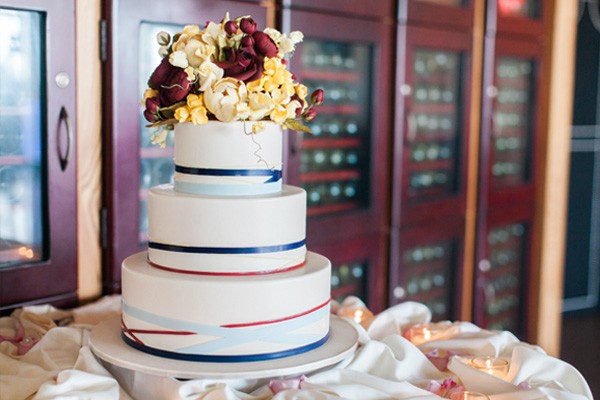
[[228, 337], [227, 190]]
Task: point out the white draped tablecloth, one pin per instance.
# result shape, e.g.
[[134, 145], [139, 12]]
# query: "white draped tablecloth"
[[45, 354]]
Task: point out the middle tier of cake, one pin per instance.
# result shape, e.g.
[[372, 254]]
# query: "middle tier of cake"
[[226, 235]]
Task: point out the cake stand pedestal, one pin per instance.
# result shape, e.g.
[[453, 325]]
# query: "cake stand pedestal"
[[145, 376]]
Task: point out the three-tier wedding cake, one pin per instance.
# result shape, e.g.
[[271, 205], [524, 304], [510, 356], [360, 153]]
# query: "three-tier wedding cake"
[[227, 276]]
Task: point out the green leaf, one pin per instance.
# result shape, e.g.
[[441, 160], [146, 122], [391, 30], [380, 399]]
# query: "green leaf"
[[296, 125]]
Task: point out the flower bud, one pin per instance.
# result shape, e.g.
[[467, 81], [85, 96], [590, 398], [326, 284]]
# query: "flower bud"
[[231, 28], [163, 51], [317, 97], [309, 114], [264, 45], [152, 105], [150, 117], [247, 25], [163, 38], [247, 41]]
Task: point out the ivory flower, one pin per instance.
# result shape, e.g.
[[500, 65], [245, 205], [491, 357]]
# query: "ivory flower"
[[208, 73], [260, 105], [178, 59], [222, 98]]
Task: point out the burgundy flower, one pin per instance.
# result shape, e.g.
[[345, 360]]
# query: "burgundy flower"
[[231, 27], [243, 64], [152, 105], [150, 117], [160, 74], [175, 88], [264, 45], [247, 41], [309, 114], [247, 25], [317, 97]]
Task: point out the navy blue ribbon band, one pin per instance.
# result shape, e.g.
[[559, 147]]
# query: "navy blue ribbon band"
[[224, 358], [227, 250], [274, 174]]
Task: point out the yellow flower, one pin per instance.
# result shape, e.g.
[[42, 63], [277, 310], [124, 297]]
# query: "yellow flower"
[[182, 114], [279, 114], [199, 116], [256, 85], [301, 91], [260, 105], [149, 93], [194, 100]]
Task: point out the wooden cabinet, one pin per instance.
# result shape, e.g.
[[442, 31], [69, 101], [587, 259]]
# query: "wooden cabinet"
[[510, 151], [343, 164], [429, 184], [468, 133], [38, 224]]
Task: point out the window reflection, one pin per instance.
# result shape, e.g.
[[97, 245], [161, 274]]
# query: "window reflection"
[[22, 192]]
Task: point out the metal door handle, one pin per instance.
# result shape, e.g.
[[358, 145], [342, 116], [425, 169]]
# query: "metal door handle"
[[64, 117]]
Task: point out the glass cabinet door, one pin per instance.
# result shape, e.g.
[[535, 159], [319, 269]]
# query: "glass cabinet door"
[[38, 219], [434, 124], [512, 121], [344, 164], [22, 192], [426, 268], [431, 126], [335, 159], [501, 278]]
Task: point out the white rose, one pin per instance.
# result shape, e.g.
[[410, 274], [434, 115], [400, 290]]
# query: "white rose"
[[223, 97], [208, 73]]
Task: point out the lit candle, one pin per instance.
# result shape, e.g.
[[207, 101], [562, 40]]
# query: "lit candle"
[[494, 366], [422, 333], [468, 395], [362, 316]]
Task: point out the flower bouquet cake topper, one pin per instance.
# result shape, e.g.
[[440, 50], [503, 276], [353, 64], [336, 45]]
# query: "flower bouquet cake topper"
[[228, 71]]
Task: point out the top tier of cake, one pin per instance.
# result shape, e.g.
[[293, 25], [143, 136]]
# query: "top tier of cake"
[[227, 159]]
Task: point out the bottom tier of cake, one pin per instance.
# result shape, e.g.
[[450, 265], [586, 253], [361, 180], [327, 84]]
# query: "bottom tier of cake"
[[225, 318]]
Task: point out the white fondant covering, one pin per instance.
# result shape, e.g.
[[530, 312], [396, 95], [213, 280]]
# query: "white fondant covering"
[[230, 222], [291, 308], [227, 146]]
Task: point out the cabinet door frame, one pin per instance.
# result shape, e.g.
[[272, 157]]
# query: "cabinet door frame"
[[53, 280], [516, 203], [404, 210], [438, 15], [372, 220], [121, 113]]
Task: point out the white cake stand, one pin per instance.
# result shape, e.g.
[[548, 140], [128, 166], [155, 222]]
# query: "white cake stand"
[[146, 376]]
